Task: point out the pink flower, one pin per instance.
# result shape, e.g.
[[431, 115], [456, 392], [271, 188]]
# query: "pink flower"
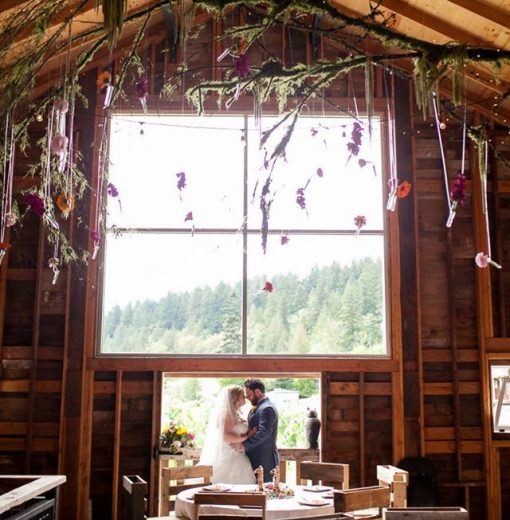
[[95, 235], [268, 287], [142, 88], [360, 221], [181, 180], [36, 203], [300, 199], [242, 66], [458, 193], [58, 144], [189, 216], [112, 190], [483, 261], [356, 135]]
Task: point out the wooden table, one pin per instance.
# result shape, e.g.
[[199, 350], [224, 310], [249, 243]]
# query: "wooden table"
[[25, 487], [276, 508]]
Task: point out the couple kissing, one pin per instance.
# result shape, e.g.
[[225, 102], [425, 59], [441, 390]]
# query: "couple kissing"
[[235, 446]]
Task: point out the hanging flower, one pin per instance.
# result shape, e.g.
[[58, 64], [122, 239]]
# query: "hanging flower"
[[482, 260], [95, 235], [104, 78], [10, 219], [314, 131], [35, 202], [142, 88], [112, 190], [300, 199], [59, 144], [268, 287], [181, 180], [357, 133], [189, 216], [61, 105], [359, 222], [4, 246], [284, 239], [65, 203], [403, 189], [458, 193], [242, 66], [320, 173]]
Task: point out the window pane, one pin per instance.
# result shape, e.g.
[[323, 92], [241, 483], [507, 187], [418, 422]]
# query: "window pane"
[[144, 169], [345, 189], [327, 297], [172, 294], [500, 391]]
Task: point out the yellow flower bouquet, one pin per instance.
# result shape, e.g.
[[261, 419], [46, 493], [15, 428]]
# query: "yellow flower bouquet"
[[175, 437]]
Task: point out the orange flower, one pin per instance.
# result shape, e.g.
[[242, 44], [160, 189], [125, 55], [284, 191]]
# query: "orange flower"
[[4, 246], [65, 203], [404, 189], [104, 78]]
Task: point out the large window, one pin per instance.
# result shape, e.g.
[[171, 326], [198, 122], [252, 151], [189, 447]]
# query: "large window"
[[184, 268]]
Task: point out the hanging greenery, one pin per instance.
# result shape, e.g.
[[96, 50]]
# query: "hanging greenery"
[[269, 79]]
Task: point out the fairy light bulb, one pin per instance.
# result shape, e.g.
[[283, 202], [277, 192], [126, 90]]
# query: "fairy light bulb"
[[442, 124], [39, 117]]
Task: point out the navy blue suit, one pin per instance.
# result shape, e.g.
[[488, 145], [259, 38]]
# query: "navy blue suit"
[[261, 448]]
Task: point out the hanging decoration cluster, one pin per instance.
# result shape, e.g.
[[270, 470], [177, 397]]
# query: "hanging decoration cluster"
[[242, 72]]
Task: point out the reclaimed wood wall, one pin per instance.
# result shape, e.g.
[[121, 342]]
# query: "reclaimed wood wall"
[[63, 410]]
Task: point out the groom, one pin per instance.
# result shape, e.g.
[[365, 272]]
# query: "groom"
[[261, 447]]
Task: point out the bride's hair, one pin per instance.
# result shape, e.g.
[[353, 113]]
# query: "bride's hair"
[[234, 393]]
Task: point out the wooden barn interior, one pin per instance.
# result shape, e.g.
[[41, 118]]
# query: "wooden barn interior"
[[66, 408]]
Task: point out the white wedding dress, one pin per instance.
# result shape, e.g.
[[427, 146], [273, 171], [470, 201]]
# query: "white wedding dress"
[[231, 466]]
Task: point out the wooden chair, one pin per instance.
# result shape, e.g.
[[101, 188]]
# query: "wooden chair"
[[180, 475], [255, 501], [135, 488], [325, 472], [391, 492]]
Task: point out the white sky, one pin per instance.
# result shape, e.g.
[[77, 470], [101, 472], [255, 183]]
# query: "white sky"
[[210, 151]]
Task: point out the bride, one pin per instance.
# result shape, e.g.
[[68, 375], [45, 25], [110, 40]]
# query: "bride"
[[226, 430]]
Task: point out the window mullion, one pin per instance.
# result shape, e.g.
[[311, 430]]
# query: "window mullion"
[[244, 300]]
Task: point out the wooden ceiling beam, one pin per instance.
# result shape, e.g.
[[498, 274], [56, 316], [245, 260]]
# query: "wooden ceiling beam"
[[6, 5], [430, 21], [484, 10]]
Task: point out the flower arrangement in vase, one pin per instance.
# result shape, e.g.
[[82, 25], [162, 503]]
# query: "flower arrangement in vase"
[[176, 437]]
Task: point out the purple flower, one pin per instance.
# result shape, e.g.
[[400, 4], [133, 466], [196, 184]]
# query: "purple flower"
[[458, 193], [242, 66], [36, 203], [284, 239], [142, 88], [356, 135], [181, 180], [112, 190], [300, 199], [320, 173], [189, 216], [95, 235]]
